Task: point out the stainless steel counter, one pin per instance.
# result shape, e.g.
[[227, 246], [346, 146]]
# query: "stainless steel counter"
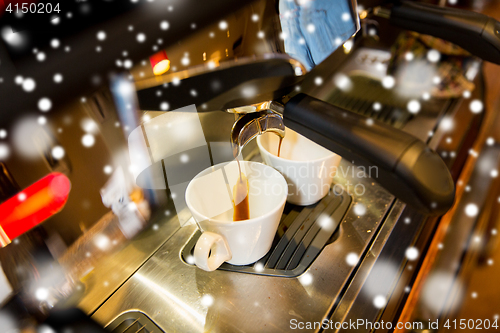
[[364, 261], [181, 297]]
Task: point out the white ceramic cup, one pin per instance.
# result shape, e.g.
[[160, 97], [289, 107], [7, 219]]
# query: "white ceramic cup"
[[308, 168], [209, 198]]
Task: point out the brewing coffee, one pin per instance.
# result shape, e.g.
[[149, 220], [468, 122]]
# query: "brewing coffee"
[[279, 145], [240, 199], [241, 206]]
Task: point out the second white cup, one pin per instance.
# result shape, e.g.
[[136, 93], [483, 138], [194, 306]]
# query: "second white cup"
[[307, 167]]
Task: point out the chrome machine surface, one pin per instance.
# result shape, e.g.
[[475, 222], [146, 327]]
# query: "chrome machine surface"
[[339, 285], [181, 297]]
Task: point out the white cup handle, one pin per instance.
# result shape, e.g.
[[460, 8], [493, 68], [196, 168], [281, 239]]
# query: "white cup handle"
[[220, 252]]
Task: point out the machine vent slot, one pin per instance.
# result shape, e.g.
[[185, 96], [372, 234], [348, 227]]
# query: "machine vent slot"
[[391, 115], [368, 91], [302, 234], [133, 322]]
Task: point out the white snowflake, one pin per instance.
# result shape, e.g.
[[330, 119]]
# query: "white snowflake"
[[352, 259], [207, 300], [40, 56], [164, 25], [343, 82], [379, 301], [58, 152], [102, 242], [306, 279], [108, 169], [164, 106], [101, 35], [29, 84], [42, 294], [141, 37], [42, 120], [326, 222], [447, 124], [413, 106], [476, 106], [359, 209], [44, 104], [55, 43], [4, 151], [471, 210], [18, 80], [411, 253], [223, 25], [58, 78], [433, 55], [127, 63], [388, 82], [185, 61], [88, 140], [259, 267], [14, 39]]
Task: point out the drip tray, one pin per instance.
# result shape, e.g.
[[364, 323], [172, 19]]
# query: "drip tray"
[[302, 233], [133, 322]]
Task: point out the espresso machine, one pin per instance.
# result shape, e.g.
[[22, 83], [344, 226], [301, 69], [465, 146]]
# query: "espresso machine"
[[248, 68]]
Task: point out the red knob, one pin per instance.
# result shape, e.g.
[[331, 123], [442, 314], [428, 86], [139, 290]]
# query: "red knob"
[[33, 205]]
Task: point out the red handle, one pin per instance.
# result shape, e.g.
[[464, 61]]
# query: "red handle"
[[33, 205]]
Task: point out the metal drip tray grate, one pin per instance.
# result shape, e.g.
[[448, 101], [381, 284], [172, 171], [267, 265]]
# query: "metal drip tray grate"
[[302, 234], [392, 109], [133, 322]]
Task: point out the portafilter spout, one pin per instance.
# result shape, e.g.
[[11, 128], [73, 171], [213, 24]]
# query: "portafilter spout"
[[405, 165], [254, 120]]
